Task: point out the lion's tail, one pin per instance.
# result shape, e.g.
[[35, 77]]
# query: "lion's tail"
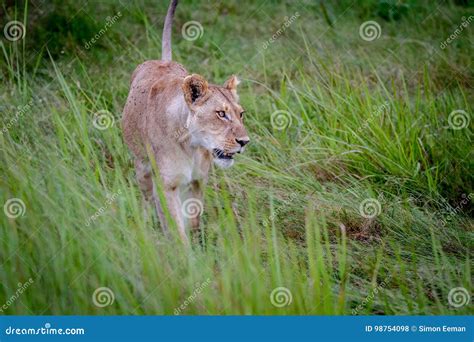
[[166, 41]]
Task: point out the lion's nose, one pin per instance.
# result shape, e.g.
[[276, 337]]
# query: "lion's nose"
[[243, 141]]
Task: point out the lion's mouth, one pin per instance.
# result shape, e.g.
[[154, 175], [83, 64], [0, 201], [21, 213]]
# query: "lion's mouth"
[[219, 154]]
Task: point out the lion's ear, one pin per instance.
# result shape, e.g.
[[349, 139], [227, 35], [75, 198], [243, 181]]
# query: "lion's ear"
[[194, 87], [232, 84]]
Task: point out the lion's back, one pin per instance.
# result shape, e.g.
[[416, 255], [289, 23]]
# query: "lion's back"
[[155, 79]]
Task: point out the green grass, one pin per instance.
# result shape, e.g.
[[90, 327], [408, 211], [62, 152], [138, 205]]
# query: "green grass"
[[369, 120]]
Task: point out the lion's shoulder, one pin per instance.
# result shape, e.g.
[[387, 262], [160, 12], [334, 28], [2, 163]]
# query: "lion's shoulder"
[[157, 69]]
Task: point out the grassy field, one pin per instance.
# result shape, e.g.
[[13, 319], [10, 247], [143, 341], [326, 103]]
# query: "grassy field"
[[354, 196]]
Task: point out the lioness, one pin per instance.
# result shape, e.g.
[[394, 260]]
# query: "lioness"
[[185, 123]]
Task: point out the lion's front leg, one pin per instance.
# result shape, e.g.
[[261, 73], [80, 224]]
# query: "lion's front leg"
[[196, 193], [193, 207], [174, 206]]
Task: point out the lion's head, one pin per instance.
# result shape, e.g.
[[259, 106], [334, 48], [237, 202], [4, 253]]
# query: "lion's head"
[[216, 119]]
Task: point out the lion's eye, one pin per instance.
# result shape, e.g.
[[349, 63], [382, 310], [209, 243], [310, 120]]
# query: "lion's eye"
[[242, 114], [221, 114]]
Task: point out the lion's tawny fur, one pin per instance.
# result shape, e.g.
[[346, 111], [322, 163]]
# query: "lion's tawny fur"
[[175, 115], [183, 123]]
